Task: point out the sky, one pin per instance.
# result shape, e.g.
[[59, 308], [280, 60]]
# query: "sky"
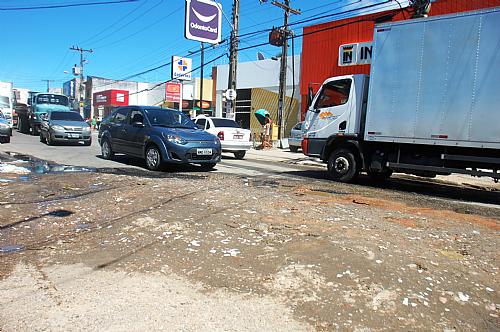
[[135, 36]]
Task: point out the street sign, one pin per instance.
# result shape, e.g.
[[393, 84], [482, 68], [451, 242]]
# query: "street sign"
[[173, 92], [203, 21], [230, 94], [181, 68]]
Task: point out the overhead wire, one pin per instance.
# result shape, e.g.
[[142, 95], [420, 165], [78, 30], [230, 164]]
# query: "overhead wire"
[[96, 3]]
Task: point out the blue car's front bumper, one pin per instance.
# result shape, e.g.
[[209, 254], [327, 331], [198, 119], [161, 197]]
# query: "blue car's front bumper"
[[192, 153]]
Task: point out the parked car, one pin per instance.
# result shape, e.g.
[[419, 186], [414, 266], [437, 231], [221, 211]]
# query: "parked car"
[[295, 139], [64, 127], [5, 130], [157, 135], [233, 138]]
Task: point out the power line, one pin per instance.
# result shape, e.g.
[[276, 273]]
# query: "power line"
[[67, 5]]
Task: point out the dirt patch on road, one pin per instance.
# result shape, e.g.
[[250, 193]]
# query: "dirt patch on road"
[[330, 260]]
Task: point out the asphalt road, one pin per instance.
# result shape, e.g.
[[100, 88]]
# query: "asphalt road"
[[90, 156]]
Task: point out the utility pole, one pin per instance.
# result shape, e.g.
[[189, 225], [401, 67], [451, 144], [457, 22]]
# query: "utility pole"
[[48, 84], [80, 86], [201, 76], [233, 60], [284, 52]]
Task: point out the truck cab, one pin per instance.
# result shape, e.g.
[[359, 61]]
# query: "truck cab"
[[41, 103]]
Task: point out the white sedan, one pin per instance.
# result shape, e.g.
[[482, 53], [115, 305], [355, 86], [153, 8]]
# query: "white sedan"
[[233, 138]]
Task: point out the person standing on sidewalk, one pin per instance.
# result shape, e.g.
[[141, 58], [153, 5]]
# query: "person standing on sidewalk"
[[94, 123]]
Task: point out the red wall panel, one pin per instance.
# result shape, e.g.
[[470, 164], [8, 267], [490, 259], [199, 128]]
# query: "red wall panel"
[[320, 46]]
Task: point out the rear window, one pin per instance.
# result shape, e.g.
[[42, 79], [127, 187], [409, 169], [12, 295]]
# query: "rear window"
[[225, 123], [65, 116]]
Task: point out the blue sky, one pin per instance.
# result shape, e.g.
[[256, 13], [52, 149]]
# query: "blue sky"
[[129, 38]]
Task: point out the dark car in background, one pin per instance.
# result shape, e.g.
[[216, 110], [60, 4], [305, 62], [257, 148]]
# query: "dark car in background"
[[157, 135], [64, 127], [5, 130]]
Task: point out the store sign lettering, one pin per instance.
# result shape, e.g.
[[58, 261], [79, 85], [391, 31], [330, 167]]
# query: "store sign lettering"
[[355, 54]]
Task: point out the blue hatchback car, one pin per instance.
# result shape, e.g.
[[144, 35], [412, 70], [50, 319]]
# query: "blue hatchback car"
[[157, 135]]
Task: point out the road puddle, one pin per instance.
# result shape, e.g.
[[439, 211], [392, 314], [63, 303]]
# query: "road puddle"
[[10, 249], [19, 167]]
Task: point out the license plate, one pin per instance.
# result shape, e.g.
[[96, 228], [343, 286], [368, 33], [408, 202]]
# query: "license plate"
[[73, 136], [237, 136], [204, 152]]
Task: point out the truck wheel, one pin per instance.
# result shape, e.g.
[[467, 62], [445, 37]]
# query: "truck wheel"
[[239, 154], [293, 148], [342, 166]]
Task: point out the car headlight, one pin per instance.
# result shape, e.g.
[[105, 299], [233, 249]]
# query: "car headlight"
[[86, 129], [175, 139], [4, 125], [57, 127]]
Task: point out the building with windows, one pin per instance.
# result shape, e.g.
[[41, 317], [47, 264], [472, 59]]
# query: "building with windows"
[[257, 87]]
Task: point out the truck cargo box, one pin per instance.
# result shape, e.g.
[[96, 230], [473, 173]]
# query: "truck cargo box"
[[436, 81]]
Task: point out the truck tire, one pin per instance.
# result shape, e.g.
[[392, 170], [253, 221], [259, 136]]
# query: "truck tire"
[[23, 125], [342, 166], [293, 148]]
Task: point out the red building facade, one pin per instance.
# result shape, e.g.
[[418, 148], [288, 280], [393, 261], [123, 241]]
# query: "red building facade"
[[321, 43]]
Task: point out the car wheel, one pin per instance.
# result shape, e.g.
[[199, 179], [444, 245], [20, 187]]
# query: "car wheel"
[[87, 143], [7, 139], [342, 166], [239, 154], [42, 139], [106, 150], [208, 166], [35, 131], [294, 148], [153, 158]]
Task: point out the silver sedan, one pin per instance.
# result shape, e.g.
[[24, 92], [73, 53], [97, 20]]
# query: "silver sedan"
[[5, 130]]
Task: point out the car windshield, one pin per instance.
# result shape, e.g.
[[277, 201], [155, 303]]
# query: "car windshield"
[[65, 116], [169, 118], [52, 99], [225, 123]]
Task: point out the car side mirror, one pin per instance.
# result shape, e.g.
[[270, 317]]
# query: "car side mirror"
[[138, 124]]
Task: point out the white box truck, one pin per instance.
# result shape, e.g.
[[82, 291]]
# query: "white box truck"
[[431, 104], [6, 102]]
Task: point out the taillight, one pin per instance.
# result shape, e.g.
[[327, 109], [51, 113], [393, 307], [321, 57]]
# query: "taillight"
[[220, 135], [304, 146]]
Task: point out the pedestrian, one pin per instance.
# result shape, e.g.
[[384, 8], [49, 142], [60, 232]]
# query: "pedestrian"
[[268, 129], [94, 122]]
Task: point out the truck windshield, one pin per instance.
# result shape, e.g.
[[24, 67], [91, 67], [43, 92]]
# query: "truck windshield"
[[4, 102], [65, 116], [334, 94], [52, 99]]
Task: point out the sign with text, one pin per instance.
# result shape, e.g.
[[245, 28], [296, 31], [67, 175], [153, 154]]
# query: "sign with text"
[[203, 21], [181, 68], [173, 92], [355, 54]]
